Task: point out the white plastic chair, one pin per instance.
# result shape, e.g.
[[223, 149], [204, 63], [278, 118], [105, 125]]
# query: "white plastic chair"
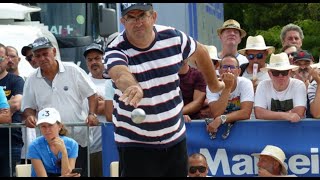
[[23, 170], [114, 169]]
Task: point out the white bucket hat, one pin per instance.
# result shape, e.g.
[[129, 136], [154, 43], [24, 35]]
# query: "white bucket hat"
[[213, 53], [276, 153], [48, 115], [256, 43], [280, 62]]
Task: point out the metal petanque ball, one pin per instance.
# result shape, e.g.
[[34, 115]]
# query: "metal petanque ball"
[[138, 115]]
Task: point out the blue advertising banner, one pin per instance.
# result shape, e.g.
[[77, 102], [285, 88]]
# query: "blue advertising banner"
[[231, 157]]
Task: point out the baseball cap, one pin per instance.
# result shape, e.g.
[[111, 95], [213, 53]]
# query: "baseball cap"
[[302, 55], [25, 49], [48, 115], [93, 46], [126, 7], [41, 43]]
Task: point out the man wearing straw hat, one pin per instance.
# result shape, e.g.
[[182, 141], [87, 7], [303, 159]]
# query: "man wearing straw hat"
[[271, 162], [281, 97], [256, 52], [230, 35]]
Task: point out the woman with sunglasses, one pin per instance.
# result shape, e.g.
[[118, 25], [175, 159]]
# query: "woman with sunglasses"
[[52, 154]]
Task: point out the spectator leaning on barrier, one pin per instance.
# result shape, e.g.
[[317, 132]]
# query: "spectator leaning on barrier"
[[94, 57], [257, 53], [193, 89], [65, 87], [230, 35], [12, 67], [5, 114], [197, 165], [235, 101], [314, 91], [303, 59], [143, 62], [53, 153], [281, 97], [13, 87], [271, 162], [291, 34]]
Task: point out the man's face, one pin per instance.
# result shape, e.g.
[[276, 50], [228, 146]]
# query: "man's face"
[[138, 23], [4, 60], [229, 65], [280, 78], [257, 57], [230, 37], [45, 58], [13, 60], [31, 59], [304, 68], [292, 38], [268, 163], [94, 61], [197, 167]]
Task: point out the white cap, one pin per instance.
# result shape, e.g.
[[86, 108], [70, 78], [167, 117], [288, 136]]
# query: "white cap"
[[48, 115]]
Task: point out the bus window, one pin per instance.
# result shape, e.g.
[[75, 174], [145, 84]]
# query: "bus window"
[[64, 19]]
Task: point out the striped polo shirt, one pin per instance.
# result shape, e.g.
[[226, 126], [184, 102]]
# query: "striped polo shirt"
[[156, 69]]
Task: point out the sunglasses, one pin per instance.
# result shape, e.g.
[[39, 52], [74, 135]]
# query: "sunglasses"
[[277, 73], [201, 169], [29, 58], [232, 67], [252, 56]]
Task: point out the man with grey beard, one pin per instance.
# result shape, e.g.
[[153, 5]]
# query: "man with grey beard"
[[303, 59]]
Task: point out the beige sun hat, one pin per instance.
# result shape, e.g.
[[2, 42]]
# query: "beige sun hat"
[[280, 62], [276, 153], [213, 53], [232, 24], [256, 43]]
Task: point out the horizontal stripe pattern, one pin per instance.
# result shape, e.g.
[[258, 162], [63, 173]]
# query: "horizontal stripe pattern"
[[156, 69]]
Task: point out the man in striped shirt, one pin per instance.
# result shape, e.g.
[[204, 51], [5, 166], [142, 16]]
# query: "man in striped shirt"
[[143, 62]]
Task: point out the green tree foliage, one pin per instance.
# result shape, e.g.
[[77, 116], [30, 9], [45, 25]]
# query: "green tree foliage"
[[267, 19]]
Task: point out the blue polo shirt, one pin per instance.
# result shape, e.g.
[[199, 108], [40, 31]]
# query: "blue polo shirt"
[[39, 149]]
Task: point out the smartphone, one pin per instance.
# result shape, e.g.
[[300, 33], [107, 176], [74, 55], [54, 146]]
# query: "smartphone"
[[76, 170]]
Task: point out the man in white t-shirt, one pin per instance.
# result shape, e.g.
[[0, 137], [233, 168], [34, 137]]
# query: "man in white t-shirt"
[[235, 101], [230, 35], [281, 97]]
